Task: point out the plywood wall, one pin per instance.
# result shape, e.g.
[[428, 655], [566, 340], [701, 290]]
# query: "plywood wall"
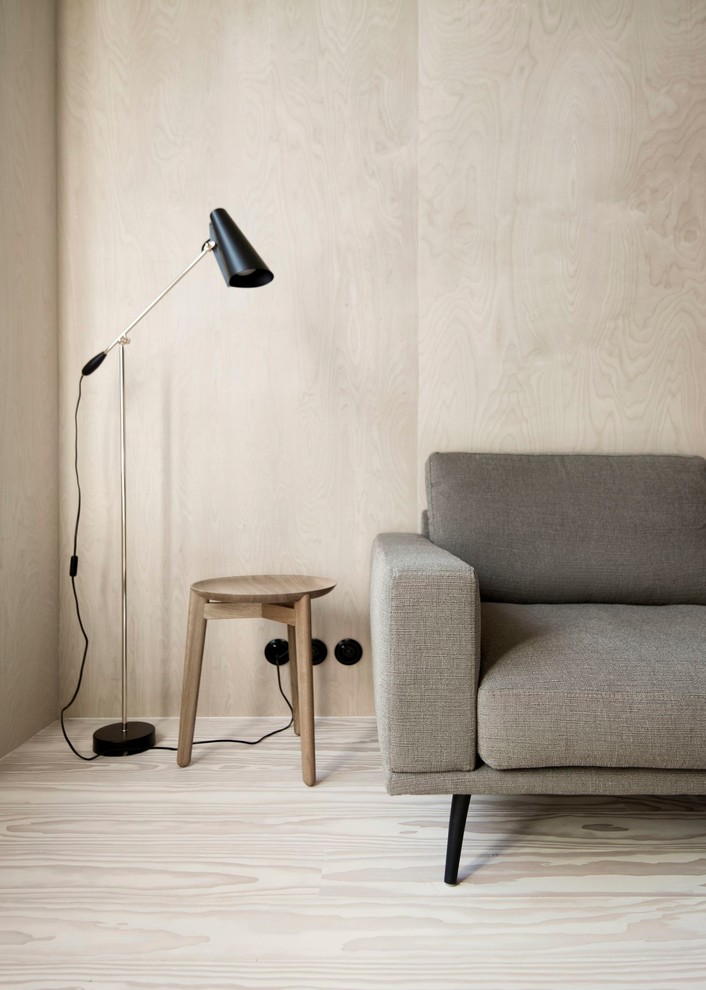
[[486, 222], [270, 429], [562, 176], [29, 528]]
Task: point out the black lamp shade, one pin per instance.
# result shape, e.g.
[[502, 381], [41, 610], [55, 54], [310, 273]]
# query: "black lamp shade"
[[237, 259]]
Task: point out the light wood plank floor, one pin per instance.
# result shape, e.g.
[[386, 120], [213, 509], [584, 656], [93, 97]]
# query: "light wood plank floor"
[[133, 874]]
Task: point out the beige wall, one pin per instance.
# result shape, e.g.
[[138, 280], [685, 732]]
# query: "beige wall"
[[28, 372], [486, 222], [562, 168], [270, 429]]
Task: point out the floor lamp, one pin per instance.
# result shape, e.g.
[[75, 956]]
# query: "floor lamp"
[[241, 266]]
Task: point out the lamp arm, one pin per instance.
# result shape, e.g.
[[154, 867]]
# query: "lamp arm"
[[207, 247], [94, 363]]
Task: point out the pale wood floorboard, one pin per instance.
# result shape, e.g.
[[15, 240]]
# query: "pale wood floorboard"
[[133, 874]]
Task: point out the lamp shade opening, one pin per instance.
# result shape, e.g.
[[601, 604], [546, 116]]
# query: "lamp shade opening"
[[237, 259]]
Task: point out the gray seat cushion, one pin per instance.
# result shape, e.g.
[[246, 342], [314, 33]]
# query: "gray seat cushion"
[[624, 529], [592, 685]]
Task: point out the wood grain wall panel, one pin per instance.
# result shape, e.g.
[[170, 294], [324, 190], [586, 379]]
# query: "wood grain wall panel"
[[486, 222], [269, 430], [562, 149], [28, 370]]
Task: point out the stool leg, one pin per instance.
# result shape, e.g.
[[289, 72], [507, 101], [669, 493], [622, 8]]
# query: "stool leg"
[[292, 638], [305, 679], [193, 658]]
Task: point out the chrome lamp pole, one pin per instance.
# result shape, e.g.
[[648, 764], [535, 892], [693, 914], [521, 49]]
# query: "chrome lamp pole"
[[241, 266]]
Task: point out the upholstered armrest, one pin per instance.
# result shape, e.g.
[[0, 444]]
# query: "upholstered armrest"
[[425, 624]]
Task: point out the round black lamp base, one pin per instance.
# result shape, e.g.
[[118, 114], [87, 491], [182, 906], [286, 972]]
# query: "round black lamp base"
[[111, 740]]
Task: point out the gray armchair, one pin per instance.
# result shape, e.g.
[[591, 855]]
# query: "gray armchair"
[[547, 633]]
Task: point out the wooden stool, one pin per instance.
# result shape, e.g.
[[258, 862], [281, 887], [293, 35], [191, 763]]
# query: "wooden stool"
[[282, 597]]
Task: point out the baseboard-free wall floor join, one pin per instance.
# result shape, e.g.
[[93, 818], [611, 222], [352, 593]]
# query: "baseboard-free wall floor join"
[[132, 873]]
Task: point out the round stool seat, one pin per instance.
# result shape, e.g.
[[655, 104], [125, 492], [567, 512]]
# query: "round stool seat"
[[263, 588]]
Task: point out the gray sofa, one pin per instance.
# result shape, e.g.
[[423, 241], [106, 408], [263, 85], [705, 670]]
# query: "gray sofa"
[[546, 634]]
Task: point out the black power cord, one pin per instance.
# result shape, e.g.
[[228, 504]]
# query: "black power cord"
[[73, 571], [246, 742]]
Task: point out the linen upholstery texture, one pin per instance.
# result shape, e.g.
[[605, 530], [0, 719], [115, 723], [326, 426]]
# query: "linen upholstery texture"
[[665, 522], [425, 628], [593, 686], [549, 780], [543, 528]]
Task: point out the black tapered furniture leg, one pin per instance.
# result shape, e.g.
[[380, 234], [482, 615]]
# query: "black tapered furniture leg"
[[457, 823]]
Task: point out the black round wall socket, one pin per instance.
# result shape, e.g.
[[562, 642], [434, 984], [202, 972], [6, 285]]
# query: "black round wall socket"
[[277, 652], [348, 652], [319, 651]]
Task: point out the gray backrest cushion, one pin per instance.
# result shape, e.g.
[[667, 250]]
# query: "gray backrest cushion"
[[625, 529]]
